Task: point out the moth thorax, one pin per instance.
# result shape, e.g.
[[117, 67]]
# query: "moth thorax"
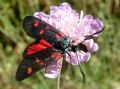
[[63, 44]]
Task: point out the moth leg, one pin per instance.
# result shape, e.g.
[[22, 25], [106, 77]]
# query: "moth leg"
[[82, 72]]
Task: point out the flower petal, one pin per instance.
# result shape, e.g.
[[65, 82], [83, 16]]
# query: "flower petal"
[[52, 70], [85, 56], [91, 45], [94, 47], [88, 18], [77, 57], [76, 27]]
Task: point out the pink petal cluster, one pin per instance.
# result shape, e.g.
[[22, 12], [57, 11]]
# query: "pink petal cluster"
[[74, 25]]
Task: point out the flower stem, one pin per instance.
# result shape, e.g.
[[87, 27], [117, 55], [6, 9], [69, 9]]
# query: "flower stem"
[[58, 79]]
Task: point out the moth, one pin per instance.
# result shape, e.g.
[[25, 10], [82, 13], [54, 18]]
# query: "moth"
[[49, 46]]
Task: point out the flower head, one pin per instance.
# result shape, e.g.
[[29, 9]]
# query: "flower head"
[[76, 26]]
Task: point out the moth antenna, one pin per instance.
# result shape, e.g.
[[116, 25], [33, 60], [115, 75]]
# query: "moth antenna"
[[91, 36], [98, 32], [87, 37], [82, 72]]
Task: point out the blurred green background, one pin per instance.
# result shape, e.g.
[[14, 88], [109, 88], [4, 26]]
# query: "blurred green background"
[[102, 71]]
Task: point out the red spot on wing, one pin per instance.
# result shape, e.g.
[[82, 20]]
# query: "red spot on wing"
[[35, 48], [62, 34], [36, 23], [56, 55], [37, 60], [47, 27], [41, 62], [41, 31], [58, 36], [29, 70], [45, 43]]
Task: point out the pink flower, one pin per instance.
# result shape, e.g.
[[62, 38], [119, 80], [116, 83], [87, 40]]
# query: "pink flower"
[[76, 26]]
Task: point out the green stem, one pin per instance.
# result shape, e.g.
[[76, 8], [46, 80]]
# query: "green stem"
[[58, 80]]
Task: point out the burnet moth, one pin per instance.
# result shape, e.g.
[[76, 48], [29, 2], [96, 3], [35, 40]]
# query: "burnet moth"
[[50, 45]]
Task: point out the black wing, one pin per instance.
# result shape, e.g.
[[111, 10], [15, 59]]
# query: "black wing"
[[37, 28], [36, 56]]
